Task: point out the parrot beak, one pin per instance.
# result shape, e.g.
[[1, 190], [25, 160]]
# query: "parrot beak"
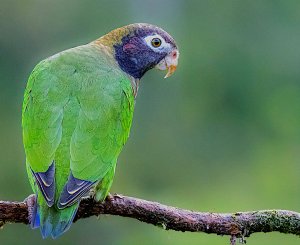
[[169, 63]]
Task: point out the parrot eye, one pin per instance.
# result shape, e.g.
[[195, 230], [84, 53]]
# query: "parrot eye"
[[155, 42]]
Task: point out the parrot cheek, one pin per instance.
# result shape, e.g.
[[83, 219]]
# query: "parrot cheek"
[[129, 48], [162, 65], [134, 60]]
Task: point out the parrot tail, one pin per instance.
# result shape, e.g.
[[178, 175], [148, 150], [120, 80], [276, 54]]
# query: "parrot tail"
[[52, 221]]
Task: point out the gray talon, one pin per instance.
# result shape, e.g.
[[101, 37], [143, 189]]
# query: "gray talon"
[[109, 197]]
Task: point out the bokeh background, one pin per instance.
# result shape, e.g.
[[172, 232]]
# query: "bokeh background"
[[221, 135]]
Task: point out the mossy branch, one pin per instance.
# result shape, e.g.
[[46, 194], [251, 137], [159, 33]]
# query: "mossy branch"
[[237, 225]]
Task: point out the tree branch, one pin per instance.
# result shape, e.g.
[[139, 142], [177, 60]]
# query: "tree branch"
[[237, 225]]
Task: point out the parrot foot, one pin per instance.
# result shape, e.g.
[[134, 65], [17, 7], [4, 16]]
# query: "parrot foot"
[[118, 196], [30, 202], [109, 197], [1, 224], [113, 197], [92, 192]]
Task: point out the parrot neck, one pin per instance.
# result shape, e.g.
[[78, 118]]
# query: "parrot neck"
[[135, 83], [114, 37], [131, 65], [135, 62]]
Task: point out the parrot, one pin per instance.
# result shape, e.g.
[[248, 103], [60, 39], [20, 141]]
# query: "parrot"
[[77, 114]]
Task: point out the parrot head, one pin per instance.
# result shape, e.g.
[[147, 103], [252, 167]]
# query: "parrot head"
[[140, 47]]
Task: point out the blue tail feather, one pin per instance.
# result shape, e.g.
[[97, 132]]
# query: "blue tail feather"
[[53, 222], [62, 227], [35, 219], [46, 228]]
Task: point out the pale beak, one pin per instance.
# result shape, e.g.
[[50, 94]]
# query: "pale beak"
[[169, 63]]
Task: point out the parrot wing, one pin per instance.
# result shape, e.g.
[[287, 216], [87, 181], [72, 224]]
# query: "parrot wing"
[[106, 109], [42, 116]]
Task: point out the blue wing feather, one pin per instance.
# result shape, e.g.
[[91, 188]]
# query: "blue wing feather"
[[73, 190], [46, 183]]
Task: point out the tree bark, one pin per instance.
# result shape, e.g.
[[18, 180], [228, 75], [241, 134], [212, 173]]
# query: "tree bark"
[[237, 225]]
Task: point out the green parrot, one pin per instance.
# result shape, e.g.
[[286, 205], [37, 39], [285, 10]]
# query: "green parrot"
[[76, 117]]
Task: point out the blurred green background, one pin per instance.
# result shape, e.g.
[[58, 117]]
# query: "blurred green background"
[[221, 135]]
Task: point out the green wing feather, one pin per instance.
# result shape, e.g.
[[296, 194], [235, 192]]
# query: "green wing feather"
[[42, 117], [101, 129]]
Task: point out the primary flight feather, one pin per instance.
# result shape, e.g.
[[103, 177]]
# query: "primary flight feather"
[[77, 113]]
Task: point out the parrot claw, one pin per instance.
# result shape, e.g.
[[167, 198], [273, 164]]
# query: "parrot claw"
[[2, 223], [113, 197], [117, 196], [92, 193], [110, 197]]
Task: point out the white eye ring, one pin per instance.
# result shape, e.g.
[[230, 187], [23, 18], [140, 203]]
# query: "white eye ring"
[[163, 45]]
